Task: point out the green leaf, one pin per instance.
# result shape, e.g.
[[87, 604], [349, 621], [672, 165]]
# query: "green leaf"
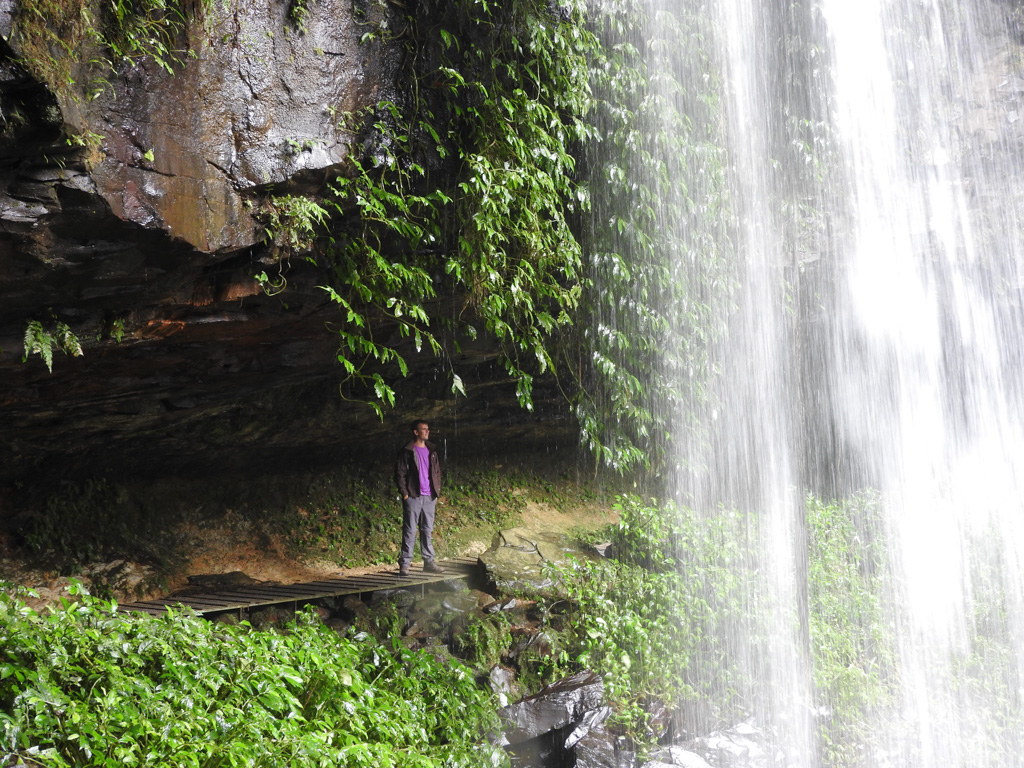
[[457, 386]]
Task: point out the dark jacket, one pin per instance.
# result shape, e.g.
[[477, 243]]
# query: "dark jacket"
[[407, 473]]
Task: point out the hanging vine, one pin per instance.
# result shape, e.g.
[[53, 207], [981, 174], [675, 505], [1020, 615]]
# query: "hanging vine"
[[475, 184], [463, 186]]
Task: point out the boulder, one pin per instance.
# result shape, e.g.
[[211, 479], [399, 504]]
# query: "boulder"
[[554, 706], [482, 598], [502, 681], [677, 757], [516, 558], [506, 604], [741, 746], [600, 748]]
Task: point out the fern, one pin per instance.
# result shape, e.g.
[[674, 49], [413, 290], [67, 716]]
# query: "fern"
[[40, 341]]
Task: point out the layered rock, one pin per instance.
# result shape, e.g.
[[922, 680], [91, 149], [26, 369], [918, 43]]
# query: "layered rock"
[[130, 211]]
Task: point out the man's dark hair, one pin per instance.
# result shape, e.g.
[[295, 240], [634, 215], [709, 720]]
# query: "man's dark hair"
[[416, 424]]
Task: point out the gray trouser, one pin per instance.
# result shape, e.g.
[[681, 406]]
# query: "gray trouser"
[[418, 512]]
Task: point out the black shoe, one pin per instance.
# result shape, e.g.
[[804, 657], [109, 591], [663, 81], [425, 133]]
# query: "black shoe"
[[403, 571], [432, 568]]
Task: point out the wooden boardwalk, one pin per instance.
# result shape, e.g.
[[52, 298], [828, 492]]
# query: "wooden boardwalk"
[[243, 597]]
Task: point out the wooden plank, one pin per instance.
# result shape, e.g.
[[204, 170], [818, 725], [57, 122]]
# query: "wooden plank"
[[254, 596], [205, 598], [153, 610], [212, 605], [296, 589]]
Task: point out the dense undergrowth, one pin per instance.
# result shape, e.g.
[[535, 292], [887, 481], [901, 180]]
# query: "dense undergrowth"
[[83, 685], [677, 620], [356, 520], [348, 518]]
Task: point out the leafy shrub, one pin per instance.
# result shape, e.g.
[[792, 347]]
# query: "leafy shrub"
[[654, 623], [684, 599], [852, 641], [85, 685], [92, 520], [484, 640]]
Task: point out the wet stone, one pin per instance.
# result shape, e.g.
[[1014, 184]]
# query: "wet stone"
[[742, 746], [414, 629], [677, 757], [482, 598], [338, 626], [502, 679], [459, 603], [500, 605], [591, 721], [600, 748], [516, 558], [450, 585], [555, 706]]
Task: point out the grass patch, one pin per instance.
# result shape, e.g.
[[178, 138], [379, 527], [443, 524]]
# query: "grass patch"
[[356, 519]]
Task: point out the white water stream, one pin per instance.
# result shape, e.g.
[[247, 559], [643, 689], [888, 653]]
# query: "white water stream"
[[937, 304], [876, 170]]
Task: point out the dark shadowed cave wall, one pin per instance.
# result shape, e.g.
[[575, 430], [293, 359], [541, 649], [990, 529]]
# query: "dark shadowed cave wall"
[[129, 212]]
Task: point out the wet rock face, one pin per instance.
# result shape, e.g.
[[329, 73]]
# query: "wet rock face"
[[261, 103], [517, 557], [553, 707], [131, 217], [134, 218]]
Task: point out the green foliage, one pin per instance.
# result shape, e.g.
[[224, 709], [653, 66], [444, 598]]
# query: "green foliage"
[[685, 589], [298, 12], [90, 521], [41, 341], [85, 685], [291, 223], [658, 634], [48, 31], [466, 182], [658, 284], [386, 621], [490, 497], [648, 535], [985, 674], [356, 519], [64, 39], [852, 642], [470, 185], [484, 640], [136, 29], [117, 329], [854, 620]]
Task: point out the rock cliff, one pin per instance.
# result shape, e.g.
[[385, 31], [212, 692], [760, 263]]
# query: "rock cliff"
[[130, 211]]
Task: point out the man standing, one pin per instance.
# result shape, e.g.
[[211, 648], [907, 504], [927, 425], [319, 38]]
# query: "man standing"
[[418, 476]]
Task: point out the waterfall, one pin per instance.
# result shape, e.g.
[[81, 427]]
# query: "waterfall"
[[927, 343], [875, 342]]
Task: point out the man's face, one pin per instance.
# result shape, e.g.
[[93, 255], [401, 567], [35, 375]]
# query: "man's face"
[[422, 431]]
